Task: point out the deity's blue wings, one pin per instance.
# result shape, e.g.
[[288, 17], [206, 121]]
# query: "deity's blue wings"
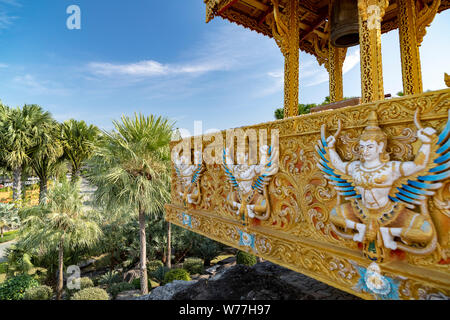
[[264, 178], [228, 172], [177, 171], [342, 182], [416, 189], [197, 173]]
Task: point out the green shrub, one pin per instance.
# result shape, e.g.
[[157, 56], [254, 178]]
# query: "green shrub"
[[245, 258], [85, 282], [136, 283], [193, 265], [154, 265], [3, 267], [91, 294], [15, 287], [117, 288], [159, 274], [176, 274], [38, 293], [110, 277], [103, 262]]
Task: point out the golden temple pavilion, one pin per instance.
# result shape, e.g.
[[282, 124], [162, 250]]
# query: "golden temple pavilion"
[[356, 195]]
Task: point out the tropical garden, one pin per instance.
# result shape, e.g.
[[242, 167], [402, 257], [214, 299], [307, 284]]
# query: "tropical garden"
[[82, 209]]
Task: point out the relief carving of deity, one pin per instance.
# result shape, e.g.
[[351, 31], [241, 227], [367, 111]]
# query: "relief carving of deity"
[[249, 195], [386, 207], [189, 177]]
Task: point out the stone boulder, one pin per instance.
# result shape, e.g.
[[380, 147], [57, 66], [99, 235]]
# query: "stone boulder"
[[128, 295], [168, 291], [263, 281], [132, 274]]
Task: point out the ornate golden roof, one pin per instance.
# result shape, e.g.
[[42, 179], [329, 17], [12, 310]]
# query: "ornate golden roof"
[[256, 14]]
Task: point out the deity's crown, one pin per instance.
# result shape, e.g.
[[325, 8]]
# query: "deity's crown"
[[373, 131]]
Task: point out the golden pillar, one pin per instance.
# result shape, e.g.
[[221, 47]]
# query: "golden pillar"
[[336, 57], [333, 60], [413, 19], [409, 47], [285, 30], [371, 13]]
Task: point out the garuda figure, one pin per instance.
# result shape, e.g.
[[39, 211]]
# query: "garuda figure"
[[249, 197], [189, 177], [387, 200]]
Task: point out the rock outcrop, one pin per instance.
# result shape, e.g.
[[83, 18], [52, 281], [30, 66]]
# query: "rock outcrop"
[[263, 281]]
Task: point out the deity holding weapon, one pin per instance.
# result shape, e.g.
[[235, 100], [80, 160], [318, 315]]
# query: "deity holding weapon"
[[249, 195], [387, 200], [189, 177]]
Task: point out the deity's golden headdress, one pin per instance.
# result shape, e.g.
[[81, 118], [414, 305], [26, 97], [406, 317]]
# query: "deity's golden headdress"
[[374, 132]]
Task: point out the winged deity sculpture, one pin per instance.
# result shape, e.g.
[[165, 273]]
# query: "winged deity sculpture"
[[387, 200], [189, 177], [249, 195]]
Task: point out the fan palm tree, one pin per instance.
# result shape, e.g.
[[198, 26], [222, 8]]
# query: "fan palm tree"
[[8, 217], [61, 223], [20, 130], [77, 140], [131, 169], [46, 156]]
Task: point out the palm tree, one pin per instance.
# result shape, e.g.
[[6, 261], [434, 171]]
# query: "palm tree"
[[78, 139], [20, 129], [61, 223], [131, 169], [46, 156], [8, 217]]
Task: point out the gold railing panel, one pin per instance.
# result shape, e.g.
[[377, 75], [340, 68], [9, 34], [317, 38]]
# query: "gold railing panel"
[[299, 233]]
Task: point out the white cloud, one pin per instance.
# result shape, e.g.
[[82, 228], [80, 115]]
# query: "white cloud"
[[143, 68], [151, 68], [36, 86], [316, 76], [310, 73], [6, 20], [15, 3], [216, 51], [351, 60]]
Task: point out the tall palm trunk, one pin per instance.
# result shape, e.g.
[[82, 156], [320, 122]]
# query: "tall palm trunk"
[[2, 231], [75, 175], [60, 284], [42, 189], [143, 269], [17, 183], [169, 246]]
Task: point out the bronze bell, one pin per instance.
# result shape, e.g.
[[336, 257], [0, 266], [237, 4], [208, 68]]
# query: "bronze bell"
[[344, 23]]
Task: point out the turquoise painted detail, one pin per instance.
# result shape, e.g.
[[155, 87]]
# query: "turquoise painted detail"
[[425, 226]]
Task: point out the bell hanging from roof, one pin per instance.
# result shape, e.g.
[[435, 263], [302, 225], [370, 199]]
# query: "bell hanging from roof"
[[344, 23]]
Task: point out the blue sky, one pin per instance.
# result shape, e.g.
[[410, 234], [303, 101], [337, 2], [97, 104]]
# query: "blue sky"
[[160, 57]]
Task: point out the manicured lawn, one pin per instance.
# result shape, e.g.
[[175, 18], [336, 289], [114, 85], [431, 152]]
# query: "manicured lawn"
[[8, 236]]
